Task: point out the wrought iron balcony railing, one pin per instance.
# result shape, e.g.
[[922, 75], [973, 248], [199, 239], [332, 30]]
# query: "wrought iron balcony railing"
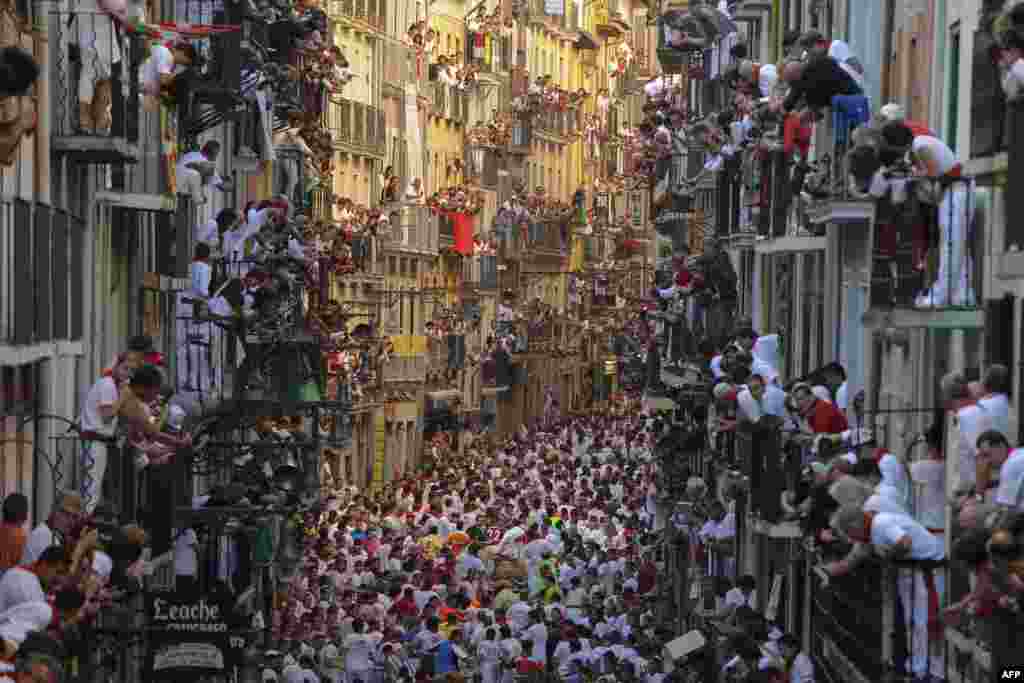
[[940, 268], [356, 126], [372, 13], [96, 103]]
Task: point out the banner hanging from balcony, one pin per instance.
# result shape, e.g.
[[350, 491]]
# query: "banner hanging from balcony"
[[190, 636], [555, 8], [463, 232]]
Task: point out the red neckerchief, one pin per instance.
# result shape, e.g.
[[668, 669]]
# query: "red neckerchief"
[[869, 519]]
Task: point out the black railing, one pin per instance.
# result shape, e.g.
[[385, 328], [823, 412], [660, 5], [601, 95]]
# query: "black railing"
[[927, 256], [847, 620], [94, 77], [42, 251]]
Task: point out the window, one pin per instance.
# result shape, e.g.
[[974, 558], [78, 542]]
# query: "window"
[[953, 99], [988, 103], [392, 267]]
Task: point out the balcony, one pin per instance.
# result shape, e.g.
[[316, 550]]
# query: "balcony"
[[42, 252], [558, 126], [914, 276], [93, 62], [522, 137], [483, 166], [365, 14], [496, 57], [405, 368], [546, 237], [356, 127]]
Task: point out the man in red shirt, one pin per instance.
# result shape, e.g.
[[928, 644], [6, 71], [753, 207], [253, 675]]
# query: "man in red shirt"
[[822, 416]]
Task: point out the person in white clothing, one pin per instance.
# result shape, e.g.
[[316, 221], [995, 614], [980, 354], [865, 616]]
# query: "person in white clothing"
[[186, 561], [929, 475], [44, 535], [952, 287], [800, 666], [157, 73], [994, 451], [900, 537], [972, 420], [761, 399], [28, 584], [1011, 60], [359, 649], [744, 594], [993, 399], [197, 170]]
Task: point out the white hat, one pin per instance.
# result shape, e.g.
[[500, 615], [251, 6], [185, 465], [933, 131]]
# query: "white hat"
[[893, 112]]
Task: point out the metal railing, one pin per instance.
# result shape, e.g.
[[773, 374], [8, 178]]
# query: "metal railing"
[[355, 124], [927, 254], [370, 12], [94, 77], [405, 369], [43, 276], [847, 624], [546, 236]]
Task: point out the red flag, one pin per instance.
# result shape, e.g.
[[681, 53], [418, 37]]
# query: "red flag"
[[463, 233]]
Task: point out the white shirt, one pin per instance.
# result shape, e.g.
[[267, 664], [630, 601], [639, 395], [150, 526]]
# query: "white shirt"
[[931, 499], [207, 233], [19, 585], [186, 560], [802, 670], [735, 598], [766, 79], [538, 633], [972, 421], [888, 528], [1014, 79], [358, 652], [997, 407], [41, 538], [160, 62], [934, 149], [773, 402], [103, 393], [1011, 480]]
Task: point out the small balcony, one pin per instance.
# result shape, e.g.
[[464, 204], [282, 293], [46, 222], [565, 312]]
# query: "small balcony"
[[356, 127], [366, 14], [483, 166], [546, 237], [494, 58], [926, 270], [559, 126], [405, 369], [522, 137], [95, 91]]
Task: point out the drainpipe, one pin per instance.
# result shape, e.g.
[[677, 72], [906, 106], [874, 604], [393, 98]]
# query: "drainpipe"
[[41, 141]]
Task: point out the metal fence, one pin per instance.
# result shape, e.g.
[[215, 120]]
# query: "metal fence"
[[928, 252]]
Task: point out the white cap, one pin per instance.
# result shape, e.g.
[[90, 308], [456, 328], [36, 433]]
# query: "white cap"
[[893, 112]]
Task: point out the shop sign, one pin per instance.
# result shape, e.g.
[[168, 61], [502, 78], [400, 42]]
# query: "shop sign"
[[191, 636]]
